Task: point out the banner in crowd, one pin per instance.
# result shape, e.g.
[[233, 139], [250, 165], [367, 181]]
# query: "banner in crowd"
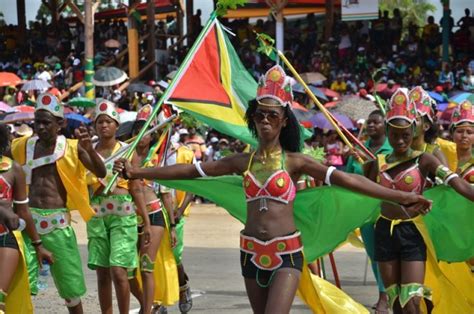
[[352, 10], [215, 87]]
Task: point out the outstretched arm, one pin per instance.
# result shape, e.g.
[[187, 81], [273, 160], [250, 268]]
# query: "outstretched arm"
[[434, 166], [87, 154], [358, 183], [228, 165]]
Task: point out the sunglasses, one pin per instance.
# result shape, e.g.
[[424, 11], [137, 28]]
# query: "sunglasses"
[[271, 116]]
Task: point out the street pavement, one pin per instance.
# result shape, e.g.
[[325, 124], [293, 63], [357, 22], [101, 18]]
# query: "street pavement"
[[211, 259]]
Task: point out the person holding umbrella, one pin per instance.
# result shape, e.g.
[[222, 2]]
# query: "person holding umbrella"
[[271, 246]]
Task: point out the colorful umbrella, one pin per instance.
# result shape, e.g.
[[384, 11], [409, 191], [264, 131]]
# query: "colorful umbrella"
[[331, 104], [9, 79], [82, 102], [298, 88], [36, 85], [313, 77], [25, 108], [329, 93], [18, 117], [74, 120], [355, 107], [437, 97], [320, 121], [459, 98], [6, 108], [109, 76]]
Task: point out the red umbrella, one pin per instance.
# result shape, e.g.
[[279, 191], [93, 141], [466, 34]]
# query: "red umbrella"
[[54, 91], [9, 79], [331, 104], [296, 105], [25, 108], [330, 93], [382, 86]]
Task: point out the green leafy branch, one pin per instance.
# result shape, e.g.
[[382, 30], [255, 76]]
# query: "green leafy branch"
[[266, 45], [224, 5], [317, 153]]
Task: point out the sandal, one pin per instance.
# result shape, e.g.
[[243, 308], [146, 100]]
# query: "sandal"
[[159, 309], [185, 299]]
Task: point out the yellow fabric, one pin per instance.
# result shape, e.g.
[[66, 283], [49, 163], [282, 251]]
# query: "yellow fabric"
[[394, 222], [94, 182], [449, 150], [322, 297], [166, 274], [184, 155], [71, 171], [451, 284], [18, 300]]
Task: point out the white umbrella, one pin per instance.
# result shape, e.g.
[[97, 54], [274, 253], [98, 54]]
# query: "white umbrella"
[[36, 85]]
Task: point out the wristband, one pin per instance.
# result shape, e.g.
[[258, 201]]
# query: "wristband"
[[25, 201]]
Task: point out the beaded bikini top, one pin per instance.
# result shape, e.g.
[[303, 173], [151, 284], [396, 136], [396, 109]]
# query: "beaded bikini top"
[[408, 180], [278, 187]]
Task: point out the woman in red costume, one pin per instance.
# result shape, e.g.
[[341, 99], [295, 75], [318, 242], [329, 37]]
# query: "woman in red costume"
[[271, 246], [462, 128], [400, 249], [13, 189]]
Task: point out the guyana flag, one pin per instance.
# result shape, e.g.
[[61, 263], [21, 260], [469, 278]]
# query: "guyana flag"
[[214, 86]]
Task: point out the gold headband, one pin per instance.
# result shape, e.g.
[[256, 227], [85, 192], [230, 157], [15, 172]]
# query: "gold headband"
[[398, 126], [269, 105]]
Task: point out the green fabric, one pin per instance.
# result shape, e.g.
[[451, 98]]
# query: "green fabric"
[[392, 293], [112, 238], [178, 249], [31, 263], [353, 166], [67, 266], [112, 241], [411, 290], [326, 215], [450, 224], [348, 209]]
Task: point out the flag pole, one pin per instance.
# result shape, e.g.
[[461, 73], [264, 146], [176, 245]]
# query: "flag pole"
[[325, 112], [165, 95]]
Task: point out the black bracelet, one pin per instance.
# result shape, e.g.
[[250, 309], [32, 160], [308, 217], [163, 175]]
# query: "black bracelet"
[[172, 225], [124, 174]]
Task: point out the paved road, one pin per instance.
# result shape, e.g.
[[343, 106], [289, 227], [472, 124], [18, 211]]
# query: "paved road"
[[211, 259]]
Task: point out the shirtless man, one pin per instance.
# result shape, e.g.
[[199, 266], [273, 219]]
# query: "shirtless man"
[[55, 169]]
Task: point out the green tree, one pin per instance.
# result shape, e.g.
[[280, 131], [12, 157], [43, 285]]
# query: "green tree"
[[2, 19], [43, 13], [412, 11]]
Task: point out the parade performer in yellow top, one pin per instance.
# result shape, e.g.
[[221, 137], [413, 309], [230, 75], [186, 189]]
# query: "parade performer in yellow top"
[[157, 265], [401, 245], [55, 169], [112, 232], [14, 287], [272, 258]]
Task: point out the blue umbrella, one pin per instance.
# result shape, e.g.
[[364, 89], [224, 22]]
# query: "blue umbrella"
[[459, 98], [74, 120], [298, 88], [436, 96], [442, 106]]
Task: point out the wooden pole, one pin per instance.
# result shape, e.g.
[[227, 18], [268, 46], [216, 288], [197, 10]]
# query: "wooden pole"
[[133, 48], [329, 19], [446, 29], [179, 19], [150, 13], [21, 16], [89, 49], [189, 16]]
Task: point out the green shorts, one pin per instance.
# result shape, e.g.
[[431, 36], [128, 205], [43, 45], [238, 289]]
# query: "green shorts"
[[67, 267], [112, 237], [178, 249]]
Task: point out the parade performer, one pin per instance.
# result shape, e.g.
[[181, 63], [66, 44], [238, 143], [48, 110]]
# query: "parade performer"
[[14, 287], [426, 133], [158, 271], [180, 153], [400, 247], [377, 144], [462, 128], [55, 169], [112, 232], [271, 246]]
